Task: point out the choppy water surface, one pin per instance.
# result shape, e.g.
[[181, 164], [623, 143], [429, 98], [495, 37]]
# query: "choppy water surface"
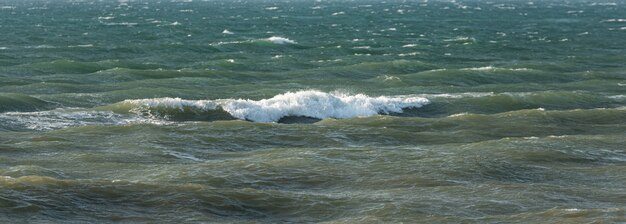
[[312, 111]]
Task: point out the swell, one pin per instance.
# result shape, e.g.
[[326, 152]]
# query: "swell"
[[489, 102], [20, 102], [487, 75], [463, 128], [45, 199], [67, 66]]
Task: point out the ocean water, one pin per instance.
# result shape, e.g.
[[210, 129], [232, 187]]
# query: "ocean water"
[[362, 111]]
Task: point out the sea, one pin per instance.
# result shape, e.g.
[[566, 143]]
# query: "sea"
[[312, 111]]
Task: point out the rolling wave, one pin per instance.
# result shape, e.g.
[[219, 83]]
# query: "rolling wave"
[[310, 103]]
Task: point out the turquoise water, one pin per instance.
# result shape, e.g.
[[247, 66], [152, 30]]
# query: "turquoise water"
[[312, 111]]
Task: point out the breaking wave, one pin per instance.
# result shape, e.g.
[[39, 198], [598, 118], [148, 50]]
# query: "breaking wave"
[[310, 103]]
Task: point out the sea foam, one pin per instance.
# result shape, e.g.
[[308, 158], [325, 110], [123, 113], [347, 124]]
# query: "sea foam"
[[309, 103]]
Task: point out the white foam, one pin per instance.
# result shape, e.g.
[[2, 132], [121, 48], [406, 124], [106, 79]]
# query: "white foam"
[[280, 40], [309, 103], [62, 118], [227, 32], [177, 103]]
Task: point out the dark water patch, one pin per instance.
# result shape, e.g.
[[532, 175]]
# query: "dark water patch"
[[298, 120]]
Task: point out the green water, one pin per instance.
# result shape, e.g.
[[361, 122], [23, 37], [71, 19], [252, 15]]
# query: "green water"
[[312, 111]]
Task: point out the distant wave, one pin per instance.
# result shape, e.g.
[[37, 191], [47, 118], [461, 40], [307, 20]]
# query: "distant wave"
[[310, 103], [273, 40], [280, 40]]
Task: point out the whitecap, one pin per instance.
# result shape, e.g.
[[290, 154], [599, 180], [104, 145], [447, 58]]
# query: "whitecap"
[[280, 40], [491, 68], [44, 46], [226, 42], [80, 45], [121, 24], [227, 32], [408, 54], [486, 68], [458, 115], [461, 39]]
